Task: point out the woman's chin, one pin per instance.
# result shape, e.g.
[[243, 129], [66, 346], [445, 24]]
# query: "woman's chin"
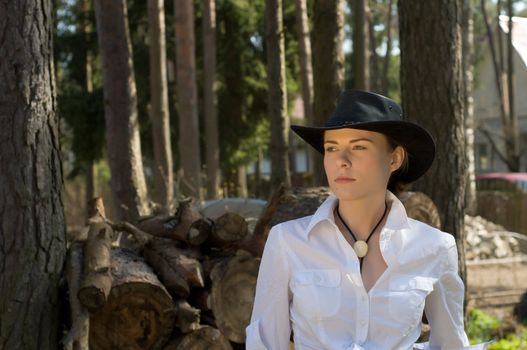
[[346, 194]]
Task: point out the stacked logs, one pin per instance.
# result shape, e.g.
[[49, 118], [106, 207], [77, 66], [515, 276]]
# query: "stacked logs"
[[165, 282]]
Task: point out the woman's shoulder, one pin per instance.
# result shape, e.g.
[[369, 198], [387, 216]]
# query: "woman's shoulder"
[[431, 235], [301, 221], [292, 226]]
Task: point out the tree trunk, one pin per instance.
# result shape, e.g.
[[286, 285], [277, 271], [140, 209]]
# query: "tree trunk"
[[361, 70], [437, 102], [513, 137], [187, 100], [306, 67], [274, 37], [209, 97], [88, 86], [387, 56], [163, 172], [468, 64], [241, 183], [509, 119], [328, 67], [32, 248], [120, 101]]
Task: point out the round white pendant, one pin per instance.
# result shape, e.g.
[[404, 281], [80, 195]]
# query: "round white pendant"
[[361, 248]]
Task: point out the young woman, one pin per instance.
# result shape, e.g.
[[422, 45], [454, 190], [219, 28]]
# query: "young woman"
[[358, 273]]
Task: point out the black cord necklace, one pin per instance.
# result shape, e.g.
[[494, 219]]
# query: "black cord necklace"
[[361, 247]]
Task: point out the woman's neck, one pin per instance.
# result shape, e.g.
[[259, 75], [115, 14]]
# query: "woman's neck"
[[361, 215]]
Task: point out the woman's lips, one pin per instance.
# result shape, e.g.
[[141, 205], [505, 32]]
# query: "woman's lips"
[[343, 179]]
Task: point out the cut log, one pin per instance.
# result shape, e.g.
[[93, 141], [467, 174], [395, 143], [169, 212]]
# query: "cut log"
[[204, 338], [141, 238], [179, 227], [139, 312], [77, 337], [96, 209], [178, 269], [233, 288], [187, 316], [227, 234], [97, 279], [298, 202], [421, 207], [255, 243]]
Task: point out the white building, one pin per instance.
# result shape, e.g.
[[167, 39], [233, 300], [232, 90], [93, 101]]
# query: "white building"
[[486, 99]]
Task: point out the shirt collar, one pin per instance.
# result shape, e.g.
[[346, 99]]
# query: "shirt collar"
[[396, 220]]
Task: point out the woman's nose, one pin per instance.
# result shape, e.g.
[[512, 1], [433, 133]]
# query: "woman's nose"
[[344, 160]]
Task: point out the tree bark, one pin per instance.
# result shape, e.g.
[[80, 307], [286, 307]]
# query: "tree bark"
[[187, 100], [436, 102], [88, 86], [274, 37], [468, 81], [513, 137], [361, 70], [77, 337], [328, 67], [32, 245], [306, 67], [159, 114], [120, 100], [209, 99], [388, 55]]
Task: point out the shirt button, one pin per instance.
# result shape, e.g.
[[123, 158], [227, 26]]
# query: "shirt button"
[[363, 298], [363, 323]]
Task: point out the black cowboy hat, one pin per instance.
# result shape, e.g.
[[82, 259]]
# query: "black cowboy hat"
[[365, 110]]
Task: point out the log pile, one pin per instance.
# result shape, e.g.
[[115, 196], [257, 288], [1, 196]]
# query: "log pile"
[[183, 281]]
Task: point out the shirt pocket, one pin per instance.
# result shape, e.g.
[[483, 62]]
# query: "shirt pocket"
[[316, 292], [406, 299]]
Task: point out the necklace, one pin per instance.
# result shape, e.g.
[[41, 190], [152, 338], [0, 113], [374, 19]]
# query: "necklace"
[[361, 247]]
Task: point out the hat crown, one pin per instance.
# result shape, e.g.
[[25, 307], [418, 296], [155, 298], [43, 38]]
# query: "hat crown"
[[356, 106]]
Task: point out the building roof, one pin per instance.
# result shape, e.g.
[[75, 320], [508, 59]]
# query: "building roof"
[[519, 34]]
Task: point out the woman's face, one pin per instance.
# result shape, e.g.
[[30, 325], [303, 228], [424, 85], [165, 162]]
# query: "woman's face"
[[364, 157]]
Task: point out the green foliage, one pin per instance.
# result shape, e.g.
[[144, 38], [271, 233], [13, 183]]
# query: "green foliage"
[[483, 327], [242, 93], [511, 342], [82, 111]]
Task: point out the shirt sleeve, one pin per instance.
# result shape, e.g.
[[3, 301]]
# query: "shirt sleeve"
[[444, 307], [270, 327]]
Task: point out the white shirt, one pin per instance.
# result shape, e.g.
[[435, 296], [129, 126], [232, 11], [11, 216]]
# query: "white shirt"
[[309, 282]]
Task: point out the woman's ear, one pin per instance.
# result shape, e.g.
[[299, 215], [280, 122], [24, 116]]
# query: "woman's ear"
[[397, 158]]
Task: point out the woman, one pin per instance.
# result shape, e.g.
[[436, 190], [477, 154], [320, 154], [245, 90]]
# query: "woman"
[[358, 273]]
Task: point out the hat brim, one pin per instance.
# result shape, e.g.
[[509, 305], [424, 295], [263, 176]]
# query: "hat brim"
[[417, 141]]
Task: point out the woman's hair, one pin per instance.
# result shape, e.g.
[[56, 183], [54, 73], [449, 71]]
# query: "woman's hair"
[[395, 184]]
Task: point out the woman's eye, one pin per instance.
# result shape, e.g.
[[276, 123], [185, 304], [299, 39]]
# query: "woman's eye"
[[330, 149], [359, 147]]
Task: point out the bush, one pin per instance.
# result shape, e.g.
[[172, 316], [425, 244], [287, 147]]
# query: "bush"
[[483, 327]]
